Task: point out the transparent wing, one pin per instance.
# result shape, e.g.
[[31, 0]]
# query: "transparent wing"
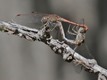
[[84, 50], [32, 20]]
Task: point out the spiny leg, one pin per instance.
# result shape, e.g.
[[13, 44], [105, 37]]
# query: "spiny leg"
[[70, 31], [73, 29], [53, 27], [44, 25]]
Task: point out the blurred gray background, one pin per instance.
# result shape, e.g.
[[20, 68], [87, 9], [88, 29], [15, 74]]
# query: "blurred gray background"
[[24, 60]]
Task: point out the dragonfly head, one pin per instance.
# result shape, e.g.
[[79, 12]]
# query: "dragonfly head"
[[44, 19], [80, 37]]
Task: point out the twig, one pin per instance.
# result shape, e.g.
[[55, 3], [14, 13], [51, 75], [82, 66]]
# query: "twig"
[[58, 47]]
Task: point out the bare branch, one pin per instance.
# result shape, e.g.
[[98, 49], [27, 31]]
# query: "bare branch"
[[58, 47]]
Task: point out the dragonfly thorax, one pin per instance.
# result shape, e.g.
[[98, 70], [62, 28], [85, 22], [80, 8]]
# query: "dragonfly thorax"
[[50, 18]]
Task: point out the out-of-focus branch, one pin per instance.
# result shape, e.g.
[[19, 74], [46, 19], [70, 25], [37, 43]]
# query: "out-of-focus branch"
[[57, 46]]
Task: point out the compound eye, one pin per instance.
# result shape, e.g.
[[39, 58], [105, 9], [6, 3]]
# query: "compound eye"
[[82, 31], [44, 20]]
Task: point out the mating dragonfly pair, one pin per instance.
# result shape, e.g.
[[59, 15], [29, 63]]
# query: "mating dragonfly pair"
[[79, 30]]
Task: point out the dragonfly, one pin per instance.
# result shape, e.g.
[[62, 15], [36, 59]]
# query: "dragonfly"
[[80, 41], [43, 18], [80, 46]]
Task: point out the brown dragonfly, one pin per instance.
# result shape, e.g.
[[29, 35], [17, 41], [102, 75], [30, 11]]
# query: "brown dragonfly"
[[80, 41], [35, 17], [41, 18]]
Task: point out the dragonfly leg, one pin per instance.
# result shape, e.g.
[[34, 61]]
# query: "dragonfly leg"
[[44, 25], [70, 31], [48, 23], [73, 29], [53, 28]]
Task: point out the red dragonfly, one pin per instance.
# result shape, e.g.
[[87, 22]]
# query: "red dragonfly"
[[35, 17]]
